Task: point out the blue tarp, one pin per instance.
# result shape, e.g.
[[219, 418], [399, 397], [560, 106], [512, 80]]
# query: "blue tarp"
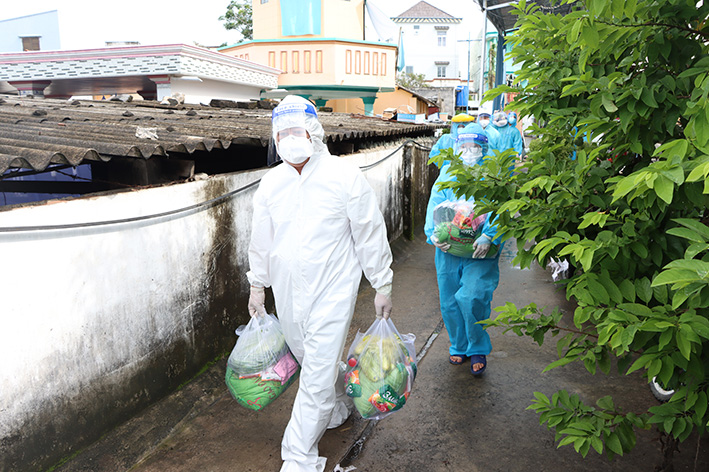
[[461, 96], [300, 17]]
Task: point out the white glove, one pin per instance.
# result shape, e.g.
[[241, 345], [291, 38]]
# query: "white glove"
[[382, 301], [257, 300], [481, 246], [442, 246]]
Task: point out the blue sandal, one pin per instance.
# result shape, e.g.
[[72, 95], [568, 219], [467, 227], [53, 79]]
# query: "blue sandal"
[[462, 357], [478, 359]]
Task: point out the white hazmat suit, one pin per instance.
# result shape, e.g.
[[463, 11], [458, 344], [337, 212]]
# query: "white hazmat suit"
[[314, 233]]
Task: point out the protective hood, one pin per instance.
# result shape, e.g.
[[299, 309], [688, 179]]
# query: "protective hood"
[[500, 120], [296, 112], [458, 122]]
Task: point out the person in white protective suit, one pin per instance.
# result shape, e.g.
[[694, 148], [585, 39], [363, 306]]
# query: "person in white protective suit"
[[316, 228]]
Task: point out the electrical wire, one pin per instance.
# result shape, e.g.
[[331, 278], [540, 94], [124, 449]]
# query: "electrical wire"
[[197, 206]]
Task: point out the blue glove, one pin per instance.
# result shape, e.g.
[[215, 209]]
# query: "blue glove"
[[481, 246]]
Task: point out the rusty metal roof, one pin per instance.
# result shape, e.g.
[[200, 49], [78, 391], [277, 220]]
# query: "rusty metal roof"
[[35, 133]]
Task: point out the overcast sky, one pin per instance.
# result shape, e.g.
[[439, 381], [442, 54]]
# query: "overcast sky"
[[89, 24]]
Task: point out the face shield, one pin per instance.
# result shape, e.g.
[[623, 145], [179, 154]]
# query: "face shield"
[[484, 119], [292, 122], [472, 146], [459, 122], [500, 119], [512, 118]]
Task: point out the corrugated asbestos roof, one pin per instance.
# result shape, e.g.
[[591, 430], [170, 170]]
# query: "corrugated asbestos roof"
[[35, 133]]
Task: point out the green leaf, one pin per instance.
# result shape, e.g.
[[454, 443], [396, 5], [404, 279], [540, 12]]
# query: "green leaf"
[[675, 276], [643, 289], [598, 291], [559, 363], [613, 443], [664, 188], [696, 225], [674, 148], [611, 288], [648, 97], [573, 35], [597, 444], [590, 36], [628, 290], [606, 403], [608, 103], [630, 6], [684, 345]]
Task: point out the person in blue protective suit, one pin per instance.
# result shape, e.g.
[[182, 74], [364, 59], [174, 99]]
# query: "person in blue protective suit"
[[316, 228], [447, 141], [492, 134], [465, 285], [510, 137], [512, 118]]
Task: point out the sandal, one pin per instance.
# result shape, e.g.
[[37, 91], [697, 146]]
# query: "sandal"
[[462, 358], [478, 359]]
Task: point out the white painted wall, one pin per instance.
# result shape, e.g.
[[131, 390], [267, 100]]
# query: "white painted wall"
[[421, 50], [204, 90], [88, 310]]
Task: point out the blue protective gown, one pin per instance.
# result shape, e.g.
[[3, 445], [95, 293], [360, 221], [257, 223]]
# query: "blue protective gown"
[[445, 142], [510, 138], [494, 138], [465, 286]]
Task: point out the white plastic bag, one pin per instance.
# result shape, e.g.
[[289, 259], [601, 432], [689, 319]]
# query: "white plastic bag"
[[260, 367]]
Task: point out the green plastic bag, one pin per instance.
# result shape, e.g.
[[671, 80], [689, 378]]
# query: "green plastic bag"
[[457, 224]]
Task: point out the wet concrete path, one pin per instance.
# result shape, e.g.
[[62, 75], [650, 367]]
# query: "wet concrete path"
[[452, 421]]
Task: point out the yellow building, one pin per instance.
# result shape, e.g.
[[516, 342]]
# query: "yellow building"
[[319, 46]]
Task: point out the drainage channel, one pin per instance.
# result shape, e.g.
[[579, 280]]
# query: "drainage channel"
[[356, 448]]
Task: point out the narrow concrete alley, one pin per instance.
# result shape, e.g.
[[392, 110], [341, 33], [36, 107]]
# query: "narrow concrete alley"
[[452, 421]]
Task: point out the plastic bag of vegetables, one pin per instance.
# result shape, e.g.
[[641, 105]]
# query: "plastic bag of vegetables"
[[260, 367], [457, 224], [381, 367]]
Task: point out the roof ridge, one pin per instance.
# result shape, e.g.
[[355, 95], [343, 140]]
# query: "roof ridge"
[[424, 9]]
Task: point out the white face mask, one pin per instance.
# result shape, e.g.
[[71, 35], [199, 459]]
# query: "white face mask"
[[502, 123], [471, 157], [294, 149], [484, 123]]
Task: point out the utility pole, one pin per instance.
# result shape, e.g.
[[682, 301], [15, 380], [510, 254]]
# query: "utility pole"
[[467, 100], [482, 54]]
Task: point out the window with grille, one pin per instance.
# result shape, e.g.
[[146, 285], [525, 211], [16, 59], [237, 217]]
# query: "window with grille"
[[30, 43], [441, 71]]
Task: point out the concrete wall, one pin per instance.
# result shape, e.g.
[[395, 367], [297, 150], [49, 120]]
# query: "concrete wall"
[[45, 25], [401, 100], [205, 90], [323, 62], [267, 19], [101, 321], [444, 97]]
